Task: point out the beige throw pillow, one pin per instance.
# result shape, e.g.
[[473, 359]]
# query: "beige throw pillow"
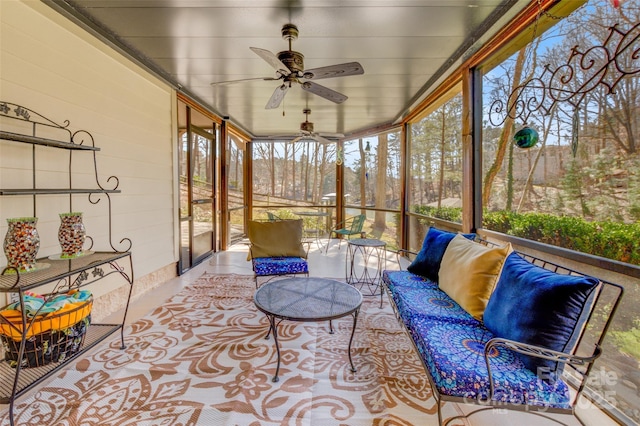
[[469, 272], [275, 239]]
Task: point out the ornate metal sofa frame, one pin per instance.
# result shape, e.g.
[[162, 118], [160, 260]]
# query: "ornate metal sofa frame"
[[578, 364]]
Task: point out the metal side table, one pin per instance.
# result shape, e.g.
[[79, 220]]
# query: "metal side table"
[[317, 229], [373, 254]]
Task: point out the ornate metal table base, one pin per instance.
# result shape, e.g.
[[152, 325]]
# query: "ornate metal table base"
[[307, 300], [374, 258]]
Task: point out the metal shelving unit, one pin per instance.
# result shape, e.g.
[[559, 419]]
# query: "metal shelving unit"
[[60, 275]]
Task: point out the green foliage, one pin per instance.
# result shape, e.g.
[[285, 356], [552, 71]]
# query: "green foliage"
[[612, 240], [284, 214], [452, 214], [628, 341]]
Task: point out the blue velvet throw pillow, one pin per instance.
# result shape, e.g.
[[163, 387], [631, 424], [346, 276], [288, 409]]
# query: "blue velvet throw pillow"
[[427, 262], [533, 305]]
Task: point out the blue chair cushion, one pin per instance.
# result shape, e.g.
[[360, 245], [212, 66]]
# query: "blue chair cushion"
[[427, 262], [279, 266], [544, 308], [454, 355]]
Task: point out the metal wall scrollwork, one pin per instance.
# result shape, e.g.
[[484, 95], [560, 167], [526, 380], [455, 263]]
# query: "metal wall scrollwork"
[[607, 64], [26, 114]]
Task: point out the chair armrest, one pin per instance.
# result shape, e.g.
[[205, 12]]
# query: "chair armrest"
[[405, 253], [308, 247], [341, 225], [535, 351]]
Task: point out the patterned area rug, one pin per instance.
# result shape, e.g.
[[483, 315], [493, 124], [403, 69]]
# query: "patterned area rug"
[[202, 359]]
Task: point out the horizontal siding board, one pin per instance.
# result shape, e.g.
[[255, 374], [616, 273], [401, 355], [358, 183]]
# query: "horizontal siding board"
[[62, 72]]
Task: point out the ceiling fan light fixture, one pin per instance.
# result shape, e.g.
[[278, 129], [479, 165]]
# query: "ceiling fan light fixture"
[[289, 68], [306, 126], [293, 60], [307, 133]]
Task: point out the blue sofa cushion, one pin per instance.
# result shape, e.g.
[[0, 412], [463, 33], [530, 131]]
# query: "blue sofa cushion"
[[454, 355], [543, 308], [427, 262], [279, 266], [432, 303], [406, 279]]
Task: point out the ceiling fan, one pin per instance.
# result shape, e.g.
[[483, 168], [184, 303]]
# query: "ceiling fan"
[[307, 133], [289, 66]]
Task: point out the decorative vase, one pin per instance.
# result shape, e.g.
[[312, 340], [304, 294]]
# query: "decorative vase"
[[71, 234], [21, 243], [526, 137]]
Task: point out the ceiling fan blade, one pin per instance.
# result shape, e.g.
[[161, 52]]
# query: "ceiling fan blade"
[[309, 138], [322, 140], [331, 135], [272, 60], [222, 83], [277, 96], [298, 139], [339, 70], [324, 92]]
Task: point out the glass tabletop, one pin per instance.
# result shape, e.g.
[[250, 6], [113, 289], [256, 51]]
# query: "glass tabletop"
[[367, 242], [307, 299]]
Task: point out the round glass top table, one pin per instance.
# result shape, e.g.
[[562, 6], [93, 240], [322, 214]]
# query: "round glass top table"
[[307, 300]]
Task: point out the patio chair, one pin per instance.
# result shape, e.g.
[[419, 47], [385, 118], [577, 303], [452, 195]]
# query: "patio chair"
[[351, 226], [276, 249], [272, 217]]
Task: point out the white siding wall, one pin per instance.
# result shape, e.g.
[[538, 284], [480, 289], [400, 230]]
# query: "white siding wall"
[[51, 66]]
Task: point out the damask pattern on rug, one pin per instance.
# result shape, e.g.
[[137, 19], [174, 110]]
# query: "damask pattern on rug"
[[202, 359]]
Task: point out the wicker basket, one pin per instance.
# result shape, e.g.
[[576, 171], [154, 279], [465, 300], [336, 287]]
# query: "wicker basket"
[[50, 338]]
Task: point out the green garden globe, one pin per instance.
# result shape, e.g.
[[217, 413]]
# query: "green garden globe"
[[526, 137]]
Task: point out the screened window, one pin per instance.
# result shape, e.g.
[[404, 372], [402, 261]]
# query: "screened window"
[[288, 175], [434, 182], [372, 184], [236, 204], [581, 177], [577, 185]]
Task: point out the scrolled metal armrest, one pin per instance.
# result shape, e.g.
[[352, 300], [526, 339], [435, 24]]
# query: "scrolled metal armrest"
[[535, 351], [403, 253]]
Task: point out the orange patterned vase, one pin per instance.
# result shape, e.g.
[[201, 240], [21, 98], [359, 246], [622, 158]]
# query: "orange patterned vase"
[[21, 243], [71, 234]]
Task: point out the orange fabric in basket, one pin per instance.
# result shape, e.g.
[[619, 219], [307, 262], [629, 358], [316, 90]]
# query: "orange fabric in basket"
[[69, 315]]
